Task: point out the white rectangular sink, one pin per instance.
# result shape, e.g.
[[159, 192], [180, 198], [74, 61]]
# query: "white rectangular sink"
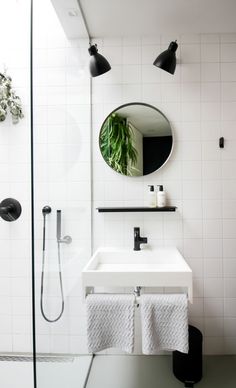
[[162, 267]]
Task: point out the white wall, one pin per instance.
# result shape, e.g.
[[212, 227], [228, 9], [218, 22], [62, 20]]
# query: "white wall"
[[62, 178], [15, 237], [200, 102]]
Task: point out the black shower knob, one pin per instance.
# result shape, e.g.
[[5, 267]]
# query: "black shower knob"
[[10, 209]]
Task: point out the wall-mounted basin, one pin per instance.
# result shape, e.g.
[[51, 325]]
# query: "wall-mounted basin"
[[162, 267]]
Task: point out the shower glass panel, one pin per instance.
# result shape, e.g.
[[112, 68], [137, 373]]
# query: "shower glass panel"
[[15, 234], [62, 197]]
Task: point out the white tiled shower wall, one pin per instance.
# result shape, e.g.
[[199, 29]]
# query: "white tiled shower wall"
[[15, 238], [62, 178], [200, 102]]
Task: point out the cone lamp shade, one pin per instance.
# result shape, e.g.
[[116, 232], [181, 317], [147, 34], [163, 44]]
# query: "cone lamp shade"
[[98, 64], [167, 59]]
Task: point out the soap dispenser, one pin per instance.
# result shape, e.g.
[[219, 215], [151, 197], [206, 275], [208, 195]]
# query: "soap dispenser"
[[161, 197], [152, 199]]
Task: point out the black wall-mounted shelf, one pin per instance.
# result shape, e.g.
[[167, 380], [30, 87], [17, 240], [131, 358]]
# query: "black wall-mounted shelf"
[[136, 209]]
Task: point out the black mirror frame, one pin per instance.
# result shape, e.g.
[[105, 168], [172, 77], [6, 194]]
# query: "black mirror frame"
[[142, 104]]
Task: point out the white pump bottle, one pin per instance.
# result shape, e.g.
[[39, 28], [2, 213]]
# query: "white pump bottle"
[[161, 197], [152, 199]]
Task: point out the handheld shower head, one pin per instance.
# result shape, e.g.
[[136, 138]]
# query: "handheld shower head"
[[65, 239], [58, 225]]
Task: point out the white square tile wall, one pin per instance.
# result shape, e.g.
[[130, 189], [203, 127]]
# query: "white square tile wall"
[[15, 237], [200, 101], [62, 179]]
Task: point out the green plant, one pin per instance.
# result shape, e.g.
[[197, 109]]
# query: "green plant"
[[116, 144], [9, 100]]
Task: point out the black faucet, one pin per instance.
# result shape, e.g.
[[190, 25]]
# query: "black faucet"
[[138, 240]]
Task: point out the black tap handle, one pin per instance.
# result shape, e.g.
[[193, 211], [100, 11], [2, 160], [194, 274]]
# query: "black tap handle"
[[10, 209]]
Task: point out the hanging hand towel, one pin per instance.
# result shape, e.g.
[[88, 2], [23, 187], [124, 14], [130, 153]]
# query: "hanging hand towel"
[[110, 322], [164, 322]]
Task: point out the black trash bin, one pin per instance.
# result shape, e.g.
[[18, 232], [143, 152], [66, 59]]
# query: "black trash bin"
[[188, 367]]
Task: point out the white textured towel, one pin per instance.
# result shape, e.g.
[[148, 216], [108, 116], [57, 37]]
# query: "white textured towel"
[[110, 322], [164, 319]]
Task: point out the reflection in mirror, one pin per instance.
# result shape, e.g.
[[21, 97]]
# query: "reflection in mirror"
[[136, 139]]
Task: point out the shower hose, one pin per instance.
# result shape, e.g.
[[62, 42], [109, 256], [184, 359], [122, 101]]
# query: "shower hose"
[[46, 210]]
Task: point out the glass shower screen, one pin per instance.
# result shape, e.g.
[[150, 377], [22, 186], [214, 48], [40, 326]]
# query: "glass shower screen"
[[62, 204]]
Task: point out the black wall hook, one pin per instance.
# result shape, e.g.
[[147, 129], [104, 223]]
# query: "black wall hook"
[[221, 142]]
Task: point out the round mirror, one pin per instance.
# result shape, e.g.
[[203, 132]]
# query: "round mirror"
[[136, 139]]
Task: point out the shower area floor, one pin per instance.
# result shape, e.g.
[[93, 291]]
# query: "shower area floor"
[[59, 372], [14, 374]]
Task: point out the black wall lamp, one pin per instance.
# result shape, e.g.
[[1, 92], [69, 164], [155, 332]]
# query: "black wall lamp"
[[98, 64], [167, 59]]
